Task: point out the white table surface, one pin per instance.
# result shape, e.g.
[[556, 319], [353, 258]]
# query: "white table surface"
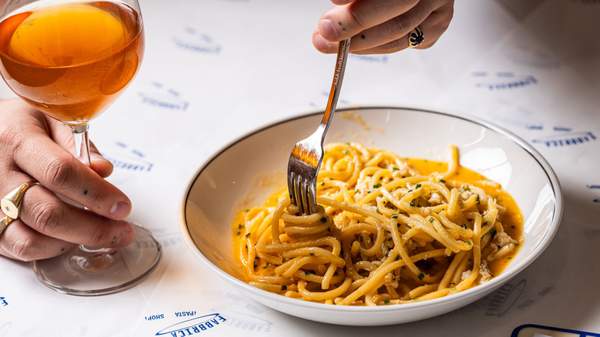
[[215, 69]]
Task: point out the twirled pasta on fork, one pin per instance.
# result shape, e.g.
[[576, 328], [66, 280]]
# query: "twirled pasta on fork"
[[391, 230]]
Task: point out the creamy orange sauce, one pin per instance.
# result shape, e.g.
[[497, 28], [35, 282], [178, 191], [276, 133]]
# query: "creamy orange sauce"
[[512, 219]]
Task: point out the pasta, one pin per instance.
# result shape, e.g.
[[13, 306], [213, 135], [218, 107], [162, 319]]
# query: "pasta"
[[389, 231]]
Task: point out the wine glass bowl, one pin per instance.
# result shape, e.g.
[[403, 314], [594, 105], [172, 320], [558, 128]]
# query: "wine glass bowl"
[[71, 60]]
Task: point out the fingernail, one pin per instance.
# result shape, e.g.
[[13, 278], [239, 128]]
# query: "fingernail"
[[120, 209], [328, 29]]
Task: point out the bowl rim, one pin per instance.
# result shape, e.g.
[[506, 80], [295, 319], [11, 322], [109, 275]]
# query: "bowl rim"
[[495, 282]]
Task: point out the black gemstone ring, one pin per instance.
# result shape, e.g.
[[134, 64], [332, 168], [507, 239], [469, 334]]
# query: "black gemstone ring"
[[415, 37]]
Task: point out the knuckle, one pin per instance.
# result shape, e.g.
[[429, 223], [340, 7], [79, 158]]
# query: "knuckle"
[[446, 22], [357, 18], [47, 216], [23, 249], [9, 138], [59, 171]]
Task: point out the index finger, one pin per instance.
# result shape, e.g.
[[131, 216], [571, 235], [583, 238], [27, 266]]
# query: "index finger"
[[343, 22], [62, 173]]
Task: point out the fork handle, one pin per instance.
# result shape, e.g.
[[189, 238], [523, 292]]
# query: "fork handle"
[[336, 86]]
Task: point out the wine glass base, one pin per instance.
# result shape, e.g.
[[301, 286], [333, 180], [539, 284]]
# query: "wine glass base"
[[88, 273]]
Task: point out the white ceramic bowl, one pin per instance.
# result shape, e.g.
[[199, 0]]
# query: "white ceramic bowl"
[[246, 171]]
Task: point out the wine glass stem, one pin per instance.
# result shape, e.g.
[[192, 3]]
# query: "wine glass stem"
[[82, 152], [82, 142]]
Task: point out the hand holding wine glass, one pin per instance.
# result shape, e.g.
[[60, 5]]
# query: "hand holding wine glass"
[[70, 60], [35, 146]]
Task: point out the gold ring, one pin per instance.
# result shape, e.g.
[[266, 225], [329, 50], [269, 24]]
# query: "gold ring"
[[4, 222], [415, 37], [11, 203]]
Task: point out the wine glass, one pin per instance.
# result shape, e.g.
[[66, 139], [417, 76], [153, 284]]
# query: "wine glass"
[[71, 59]]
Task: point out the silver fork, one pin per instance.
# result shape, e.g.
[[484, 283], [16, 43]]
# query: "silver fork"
[[307, 154]]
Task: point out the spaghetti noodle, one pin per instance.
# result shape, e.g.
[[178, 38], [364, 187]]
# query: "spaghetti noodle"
[[390, 230]]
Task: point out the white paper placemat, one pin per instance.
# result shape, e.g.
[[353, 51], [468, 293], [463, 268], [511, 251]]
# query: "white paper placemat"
[[215, 69]]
